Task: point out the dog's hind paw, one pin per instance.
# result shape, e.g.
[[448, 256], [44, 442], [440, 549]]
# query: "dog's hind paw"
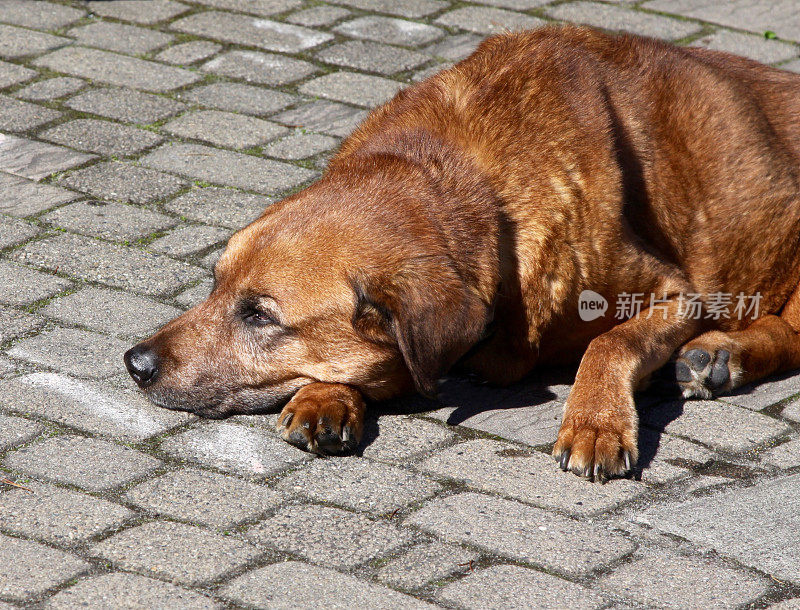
[[703, 372], [323, 418]]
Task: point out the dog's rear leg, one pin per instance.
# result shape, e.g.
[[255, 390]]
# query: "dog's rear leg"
[[598, 433], [716, 362], [325, 418]]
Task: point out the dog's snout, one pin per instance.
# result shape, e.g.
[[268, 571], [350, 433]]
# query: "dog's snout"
[[142, 364]]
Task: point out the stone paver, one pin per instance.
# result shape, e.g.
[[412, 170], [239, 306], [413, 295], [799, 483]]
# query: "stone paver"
[[97, 408], [58, 515], [233, 448], [758, 526], [87, 463], [668, 581], [176, 551], [114, 221], [328, 536], [116, 69], [135, 137], [227, 168], [28, 569], [508, 586], [276, 585], [521, 532], [128, 592], [204, 497]]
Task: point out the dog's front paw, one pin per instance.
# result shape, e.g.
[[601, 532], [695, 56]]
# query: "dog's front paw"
[[597, 443], [323, 418]]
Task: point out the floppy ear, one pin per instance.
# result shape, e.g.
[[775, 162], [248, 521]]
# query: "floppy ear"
[[429, 311]]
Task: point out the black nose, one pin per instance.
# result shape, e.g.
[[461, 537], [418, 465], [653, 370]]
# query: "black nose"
[[142, 364]]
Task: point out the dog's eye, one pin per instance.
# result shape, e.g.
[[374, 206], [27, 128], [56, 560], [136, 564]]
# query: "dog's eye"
[[260, 318]]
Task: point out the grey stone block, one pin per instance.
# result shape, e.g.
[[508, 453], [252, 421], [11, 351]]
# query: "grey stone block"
[[371, 57], [328, 536], [38, 15], [413, 9], [204, 497], [16, 231], [619, 18], [276, 586], [129, 591], [72, 351], [193, 296], [243, 30], [792, 66], [300, 146], [87, 463], [792, 410], [220, 206], [138, 11], [210, 259], [57, 515], [396, 438], [323, 116], [19, 116], [188, 52], [715, 424], [18, 42], [114, 221], [15, 323], [14, 74], [224, 128], [98, 408], [519, 5], [529, 476], [17, 430], [263, 68], [250, 452], [423, 74], [21, 285], [663, 458], [389, 31], [114, 69], [360, 484], [353, 88], [186, 241], [120, 37], [175, 551], [6, 367], [455, 48], [318, 15], [786, 455], [36, 160], [508, 586], [254, 7], [426, 562], [116, 266], [102, 137], [754, 47], [757, 396], [237, 97], [708, 584], [123, 182], [759, 526], [521, 532], [125, 105], [29, 568], [484, 20], [779, 16], [789, 604], [227, 168], [21, 197], [51, 89]]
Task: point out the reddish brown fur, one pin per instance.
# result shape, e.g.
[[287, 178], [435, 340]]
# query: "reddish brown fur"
[[482, 201]]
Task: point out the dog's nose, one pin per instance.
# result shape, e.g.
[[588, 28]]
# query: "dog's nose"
[[142, 364]]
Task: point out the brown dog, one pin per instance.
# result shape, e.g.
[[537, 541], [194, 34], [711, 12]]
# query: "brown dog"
[[463, 221]]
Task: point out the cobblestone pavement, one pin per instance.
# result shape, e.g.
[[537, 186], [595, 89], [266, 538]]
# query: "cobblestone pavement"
[[137, 135]]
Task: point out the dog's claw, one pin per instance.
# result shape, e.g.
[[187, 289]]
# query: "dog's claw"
[[564, 460], [626, 456], [596, 473]]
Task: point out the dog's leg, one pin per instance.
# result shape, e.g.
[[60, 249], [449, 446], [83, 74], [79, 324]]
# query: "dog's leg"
[[598, 433], [717, 362], [326, 418]]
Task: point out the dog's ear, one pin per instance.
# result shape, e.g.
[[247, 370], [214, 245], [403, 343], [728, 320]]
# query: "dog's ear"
[[428, 311]]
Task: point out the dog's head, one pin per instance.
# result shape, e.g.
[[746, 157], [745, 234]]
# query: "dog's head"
[[351, 281]]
